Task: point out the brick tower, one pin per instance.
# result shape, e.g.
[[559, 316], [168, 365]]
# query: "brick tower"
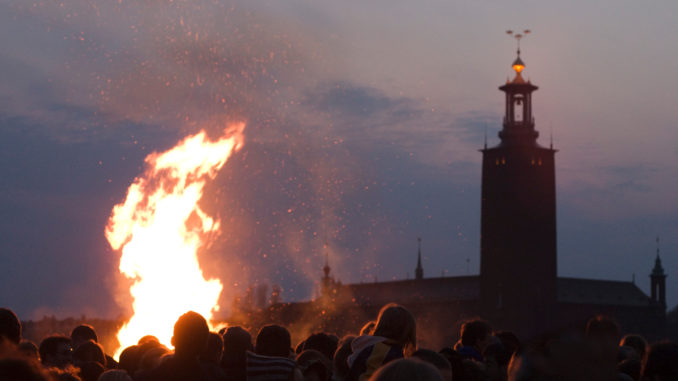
[[518, 218]]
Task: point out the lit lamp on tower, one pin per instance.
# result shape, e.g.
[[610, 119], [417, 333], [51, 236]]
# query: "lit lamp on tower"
[[518, 64]]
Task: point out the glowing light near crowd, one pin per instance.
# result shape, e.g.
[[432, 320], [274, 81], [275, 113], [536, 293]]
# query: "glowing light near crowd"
[[159, 229]]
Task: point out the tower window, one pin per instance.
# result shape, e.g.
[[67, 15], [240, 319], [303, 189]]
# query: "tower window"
[[503, 161], [518, 109]]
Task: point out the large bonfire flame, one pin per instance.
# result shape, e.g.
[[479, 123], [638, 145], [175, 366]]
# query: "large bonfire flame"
[[160, 228]]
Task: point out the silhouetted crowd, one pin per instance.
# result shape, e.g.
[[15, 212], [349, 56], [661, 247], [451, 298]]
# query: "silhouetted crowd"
[[384, 349]]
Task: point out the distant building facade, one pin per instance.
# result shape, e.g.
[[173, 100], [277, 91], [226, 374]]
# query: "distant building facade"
[[518, 288]]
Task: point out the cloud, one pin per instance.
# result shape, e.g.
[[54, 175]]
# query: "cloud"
[[343, 98], [632, 186], [607, 193], [367, 116]]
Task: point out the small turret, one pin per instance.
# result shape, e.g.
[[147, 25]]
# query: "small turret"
[[327, 282], [658, 281], [518, 128], [419, 271], [326, 268]]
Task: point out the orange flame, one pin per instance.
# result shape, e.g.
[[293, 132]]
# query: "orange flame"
[[160, 227]]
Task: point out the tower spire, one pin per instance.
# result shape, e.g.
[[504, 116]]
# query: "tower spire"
[[327, 284], [551, 128], [658, 281], [326, 268], [419, 271], [658, 269], [518, 64]]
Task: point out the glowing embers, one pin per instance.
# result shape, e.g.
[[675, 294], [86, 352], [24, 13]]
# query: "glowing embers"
[[159, 229]]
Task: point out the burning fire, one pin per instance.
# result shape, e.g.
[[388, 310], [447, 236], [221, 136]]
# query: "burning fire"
[[160, 228]]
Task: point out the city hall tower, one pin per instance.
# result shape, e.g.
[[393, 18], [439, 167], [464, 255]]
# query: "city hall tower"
[[518, 216]]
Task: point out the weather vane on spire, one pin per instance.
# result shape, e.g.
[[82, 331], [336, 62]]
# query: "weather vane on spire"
[[518, 36], [518, 64]]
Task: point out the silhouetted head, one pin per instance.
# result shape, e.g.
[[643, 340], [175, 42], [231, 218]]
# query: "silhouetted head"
[[496, 359], [148, 339], [602, 328], [83, 333], [144, 348], [29, 350], [151, 357], [602, 334], [661, 362], [341, 355], [631, 368], [90, 371], [636, 342], [625, 353], [473, 370], [115, 375], [476, 333], [437, 360], [10, 326], [323, 343], [273, 340], [56, 351], [526, 366], [509, 340], [22, 369], [314, 366], [397, 324], [190, 334], [237, 341], [89, 351], [368, 328], [130, 359], [214, 349], [407, 370], [498, 353], [456, 361]]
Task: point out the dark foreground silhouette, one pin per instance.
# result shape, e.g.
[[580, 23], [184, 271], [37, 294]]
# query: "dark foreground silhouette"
[[383, 349]]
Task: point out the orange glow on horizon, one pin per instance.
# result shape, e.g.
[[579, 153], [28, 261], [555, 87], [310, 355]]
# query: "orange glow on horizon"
[[159, 229]]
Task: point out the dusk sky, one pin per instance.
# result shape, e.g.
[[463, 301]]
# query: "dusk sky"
[[364, 121]]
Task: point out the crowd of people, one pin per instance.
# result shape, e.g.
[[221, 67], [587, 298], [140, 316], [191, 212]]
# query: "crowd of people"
[[384, 349]]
